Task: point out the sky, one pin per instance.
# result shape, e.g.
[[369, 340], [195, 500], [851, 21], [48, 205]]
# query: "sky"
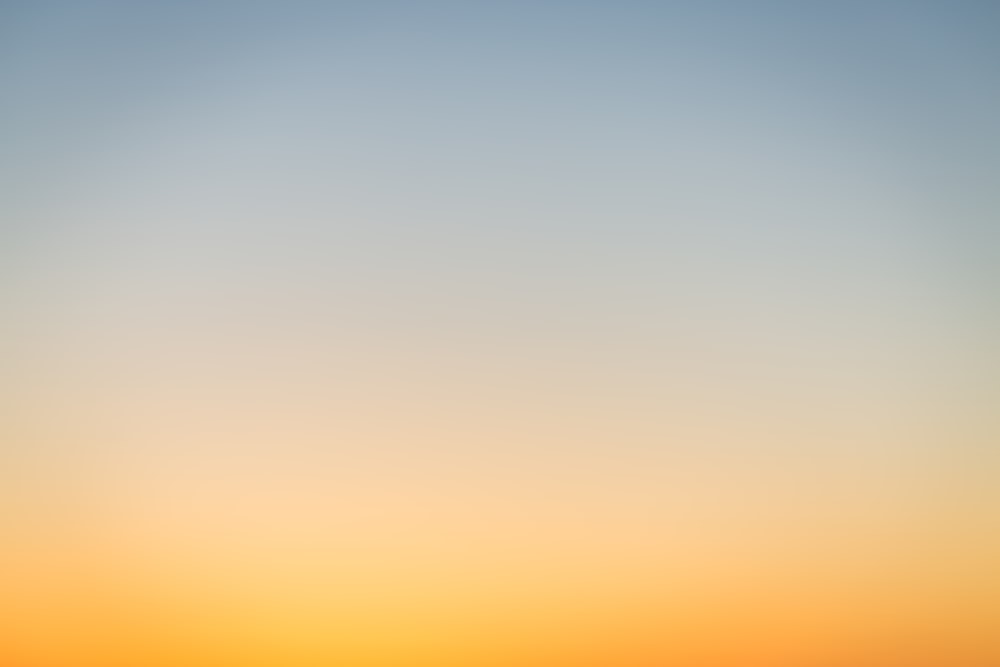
[[514, 333]]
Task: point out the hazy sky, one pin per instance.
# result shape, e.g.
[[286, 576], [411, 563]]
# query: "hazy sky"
[[632, 285]]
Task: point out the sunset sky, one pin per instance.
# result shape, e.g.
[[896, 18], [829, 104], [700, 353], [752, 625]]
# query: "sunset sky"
[[507, 334]]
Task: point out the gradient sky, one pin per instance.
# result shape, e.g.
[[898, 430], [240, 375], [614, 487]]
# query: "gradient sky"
[[406, 330]]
